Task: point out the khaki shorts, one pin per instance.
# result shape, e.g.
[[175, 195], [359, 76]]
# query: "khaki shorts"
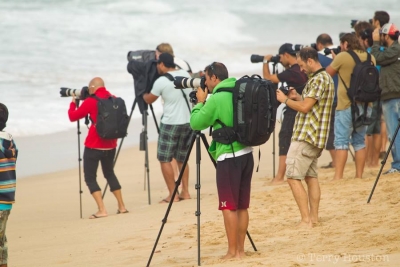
[[302, 160]]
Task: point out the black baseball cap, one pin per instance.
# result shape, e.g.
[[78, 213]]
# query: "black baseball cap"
[[167, 59], [286, 48]]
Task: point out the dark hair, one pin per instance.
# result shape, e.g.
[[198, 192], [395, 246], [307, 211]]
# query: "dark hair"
[[352, 42], [382, 16], [3, 116], [364, 30], [324, 39], [395, 37], [306, 53], [218, 69]]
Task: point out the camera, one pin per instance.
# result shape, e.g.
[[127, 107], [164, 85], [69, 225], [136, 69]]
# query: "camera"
[[336, 50], [353, 22], [184, 82], [284, 89], [298, 47], [141, 55], [80, 94], [257, 59]]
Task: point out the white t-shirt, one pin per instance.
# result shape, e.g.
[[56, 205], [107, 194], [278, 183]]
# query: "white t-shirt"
[[176, 111]]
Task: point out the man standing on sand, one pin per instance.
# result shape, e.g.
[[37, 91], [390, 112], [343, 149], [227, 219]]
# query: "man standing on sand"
[[310, 133], [234, 161], [97, 150], [174, 128]]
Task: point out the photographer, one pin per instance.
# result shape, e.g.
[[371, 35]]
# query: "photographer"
[[293, 77], [323, 42], [174, 127], [343, 65], [97, 149], [310, 133], [389, 81], [234, 161]]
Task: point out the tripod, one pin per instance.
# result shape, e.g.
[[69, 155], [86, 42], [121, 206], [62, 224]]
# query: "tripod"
[[78, 128], [143, 144], [384, 160], [195, 136]]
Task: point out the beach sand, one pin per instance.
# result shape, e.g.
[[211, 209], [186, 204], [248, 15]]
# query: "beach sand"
[[45, 228]]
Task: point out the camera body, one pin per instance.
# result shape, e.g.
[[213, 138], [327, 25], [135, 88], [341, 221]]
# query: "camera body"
[[258, 59], [328, 51], [284, 89], [353, 22], [80, 94], [184, 82]]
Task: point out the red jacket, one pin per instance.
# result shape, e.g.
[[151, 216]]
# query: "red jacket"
[[89, 106]]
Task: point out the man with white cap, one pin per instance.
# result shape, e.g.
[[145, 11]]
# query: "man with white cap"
[[389, 80]]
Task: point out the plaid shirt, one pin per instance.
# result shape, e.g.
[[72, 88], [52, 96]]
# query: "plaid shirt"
[[313, 126]]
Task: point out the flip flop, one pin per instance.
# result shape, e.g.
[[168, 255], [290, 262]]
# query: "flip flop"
[[94, 216], [181, 198], [120, 212], [164, 201]]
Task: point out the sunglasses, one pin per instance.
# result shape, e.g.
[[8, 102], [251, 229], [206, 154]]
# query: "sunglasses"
[[211, 66]]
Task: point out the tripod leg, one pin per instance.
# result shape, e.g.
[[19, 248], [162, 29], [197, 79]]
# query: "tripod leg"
[[79, 160], [154, 118], [215, 165], [120, 145], [177, 183], [384, 161]]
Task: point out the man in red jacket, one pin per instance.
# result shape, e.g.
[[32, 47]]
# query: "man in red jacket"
[[97, 149]]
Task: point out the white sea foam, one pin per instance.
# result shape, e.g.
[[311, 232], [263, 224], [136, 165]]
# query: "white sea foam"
[[49, 44]]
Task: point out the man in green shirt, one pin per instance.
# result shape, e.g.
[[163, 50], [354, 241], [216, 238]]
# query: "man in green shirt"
[[234, 161], [310, 133]]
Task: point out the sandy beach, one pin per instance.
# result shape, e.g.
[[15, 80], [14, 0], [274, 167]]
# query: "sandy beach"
[[45, 228]]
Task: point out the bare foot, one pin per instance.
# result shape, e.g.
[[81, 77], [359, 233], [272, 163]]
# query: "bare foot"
[[229, 256], [241, 254], [183, 196], [167, 200], [276, 182], [336, 179], [98, 215], [304, 224]]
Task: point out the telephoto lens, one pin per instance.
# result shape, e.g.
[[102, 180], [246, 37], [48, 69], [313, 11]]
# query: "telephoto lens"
[[256, 58], [81, 94]]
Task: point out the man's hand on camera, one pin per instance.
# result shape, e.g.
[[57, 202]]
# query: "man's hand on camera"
[[292, 94], [268, 57], [73, 98], [201, 95]]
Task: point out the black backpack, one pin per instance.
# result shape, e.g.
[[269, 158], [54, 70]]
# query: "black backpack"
[[254, 112], [364, 88], [112, 118]]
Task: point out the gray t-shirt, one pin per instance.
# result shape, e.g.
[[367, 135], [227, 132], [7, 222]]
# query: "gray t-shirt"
[[176, 110]]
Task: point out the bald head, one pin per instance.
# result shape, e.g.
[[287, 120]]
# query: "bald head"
[[94, 84]]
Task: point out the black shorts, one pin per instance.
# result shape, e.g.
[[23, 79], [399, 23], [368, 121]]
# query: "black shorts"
[[234, 182], [331, 135], [375, 126], [285, 134]]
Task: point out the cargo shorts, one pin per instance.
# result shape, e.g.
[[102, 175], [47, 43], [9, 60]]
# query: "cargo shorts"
[[301, 160]]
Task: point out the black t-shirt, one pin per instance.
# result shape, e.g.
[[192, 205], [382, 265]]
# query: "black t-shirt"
[[294, 77]]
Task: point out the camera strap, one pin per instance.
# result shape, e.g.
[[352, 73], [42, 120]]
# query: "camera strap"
[[171, 78]]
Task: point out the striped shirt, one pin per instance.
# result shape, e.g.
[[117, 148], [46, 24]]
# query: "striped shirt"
[[8, 159], [313, 126]]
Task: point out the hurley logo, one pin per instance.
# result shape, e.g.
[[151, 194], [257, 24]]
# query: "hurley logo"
[[223, 204]]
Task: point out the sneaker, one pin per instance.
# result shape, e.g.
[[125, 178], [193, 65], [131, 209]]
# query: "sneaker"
[[392, 170]]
